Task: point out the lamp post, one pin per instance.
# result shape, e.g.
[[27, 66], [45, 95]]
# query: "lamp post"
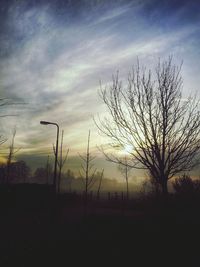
[[56, 152]]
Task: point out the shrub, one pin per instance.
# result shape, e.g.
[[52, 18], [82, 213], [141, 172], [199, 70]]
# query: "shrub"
[[185, 185]]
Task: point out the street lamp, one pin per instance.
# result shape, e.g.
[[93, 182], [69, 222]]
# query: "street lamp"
[[56, 152]]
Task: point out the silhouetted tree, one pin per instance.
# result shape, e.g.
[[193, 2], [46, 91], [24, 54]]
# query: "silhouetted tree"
[[3, 103], [2, 140], [61, 161], [150, 115], [125, 170], [12, 152], [150, 186], [87, 173], [19, 172], [70, 177], [2, 173], [40, 175], [24, 170], [48, 170], [100, 182]]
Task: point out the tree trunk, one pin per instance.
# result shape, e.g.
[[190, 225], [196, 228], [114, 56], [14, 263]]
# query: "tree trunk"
[[127, 190], [164, 188]]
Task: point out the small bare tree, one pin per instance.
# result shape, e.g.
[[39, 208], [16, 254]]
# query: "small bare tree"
[[48, 170], [3, 103], [100, 182], [61, 161], [150, 114], [88, 171], [12, 152], [125, 171]]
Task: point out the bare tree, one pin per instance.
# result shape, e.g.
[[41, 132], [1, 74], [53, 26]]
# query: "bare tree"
[[3, 172], [125, 170], [100, 182], [5, 102], [2, 140], [61, 160], [88, 171], [12, 152], [150, 114], [48, 170], [69, 178]]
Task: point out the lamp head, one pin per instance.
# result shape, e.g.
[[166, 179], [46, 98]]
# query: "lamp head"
[[44, 122]]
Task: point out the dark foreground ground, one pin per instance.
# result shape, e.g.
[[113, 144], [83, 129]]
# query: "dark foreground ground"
[[39, 229]]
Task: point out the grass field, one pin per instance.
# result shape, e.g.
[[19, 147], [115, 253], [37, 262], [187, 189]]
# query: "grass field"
[[35, 223]]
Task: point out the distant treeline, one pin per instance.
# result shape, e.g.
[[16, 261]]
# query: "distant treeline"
[[20, 172]]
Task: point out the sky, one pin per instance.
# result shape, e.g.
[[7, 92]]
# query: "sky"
[[53, 54]]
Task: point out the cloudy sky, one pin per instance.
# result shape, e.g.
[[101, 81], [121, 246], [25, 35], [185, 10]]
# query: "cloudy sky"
[[54, 53]]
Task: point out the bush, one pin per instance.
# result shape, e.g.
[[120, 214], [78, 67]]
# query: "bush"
[[185, 185]]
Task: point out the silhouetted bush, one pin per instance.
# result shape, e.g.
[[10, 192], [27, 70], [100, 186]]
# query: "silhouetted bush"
[[186, 186]]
